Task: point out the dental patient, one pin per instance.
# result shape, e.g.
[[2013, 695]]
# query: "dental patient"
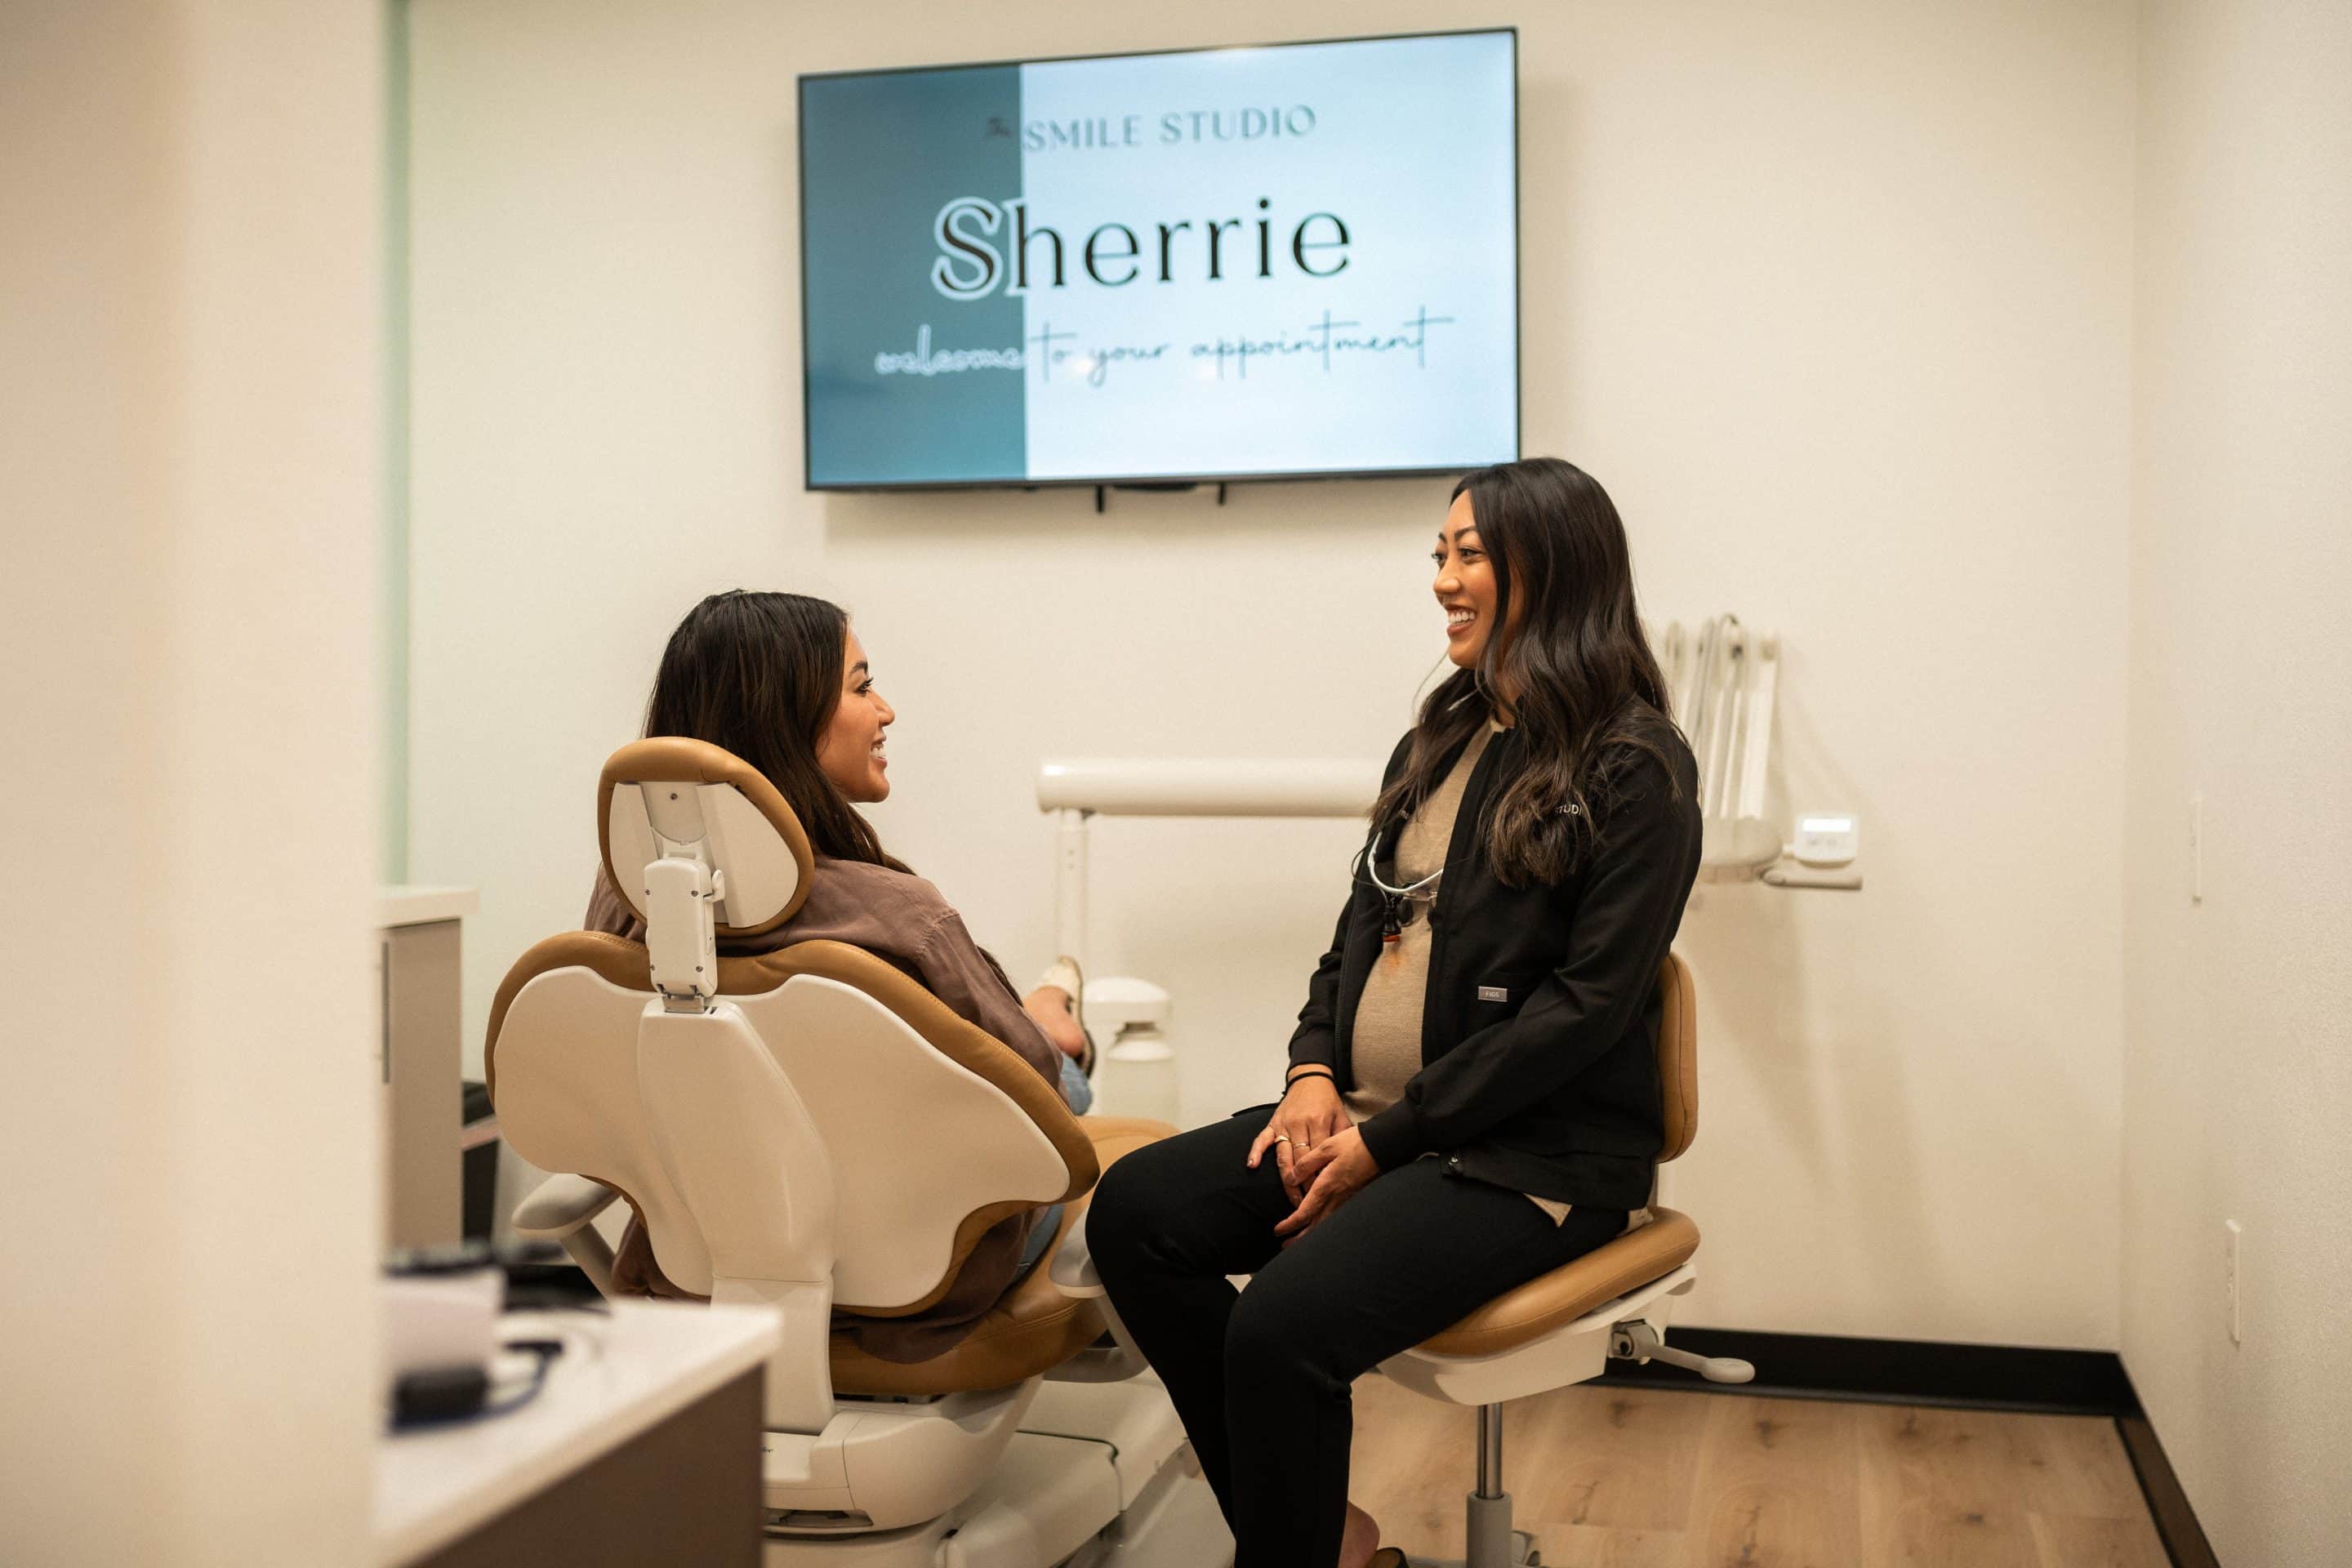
[[779, 680]]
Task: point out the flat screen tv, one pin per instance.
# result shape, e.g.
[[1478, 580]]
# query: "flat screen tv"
[[1217, 264]]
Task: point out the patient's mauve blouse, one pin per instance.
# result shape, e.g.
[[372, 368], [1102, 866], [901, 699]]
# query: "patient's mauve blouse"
[[902, 920]]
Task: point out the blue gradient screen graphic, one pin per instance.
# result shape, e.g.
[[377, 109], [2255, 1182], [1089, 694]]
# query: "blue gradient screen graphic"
[[1267, 262]]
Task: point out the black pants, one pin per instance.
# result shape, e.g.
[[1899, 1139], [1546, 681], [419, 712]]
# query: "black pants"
[[1261, 1377]]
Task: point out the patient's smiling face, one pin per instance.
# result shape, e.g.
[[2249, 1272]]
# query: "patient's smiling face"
[[850, 753]]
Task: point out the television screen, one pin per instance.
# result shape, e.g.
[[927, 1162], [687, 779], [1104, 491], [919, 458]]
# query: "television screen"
[[1216, 264]]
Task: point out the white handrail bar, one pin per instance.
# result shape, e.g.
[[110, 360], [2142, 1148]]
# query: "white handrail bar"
[[1208, 786]]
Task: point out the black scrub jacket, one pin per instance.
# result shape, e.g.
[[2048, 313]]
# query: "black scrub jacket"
[[1539, 1066]]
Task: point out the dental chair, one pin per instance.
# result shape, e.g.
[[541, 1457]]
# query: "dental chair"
[[1564, 1327], [811, 1131]]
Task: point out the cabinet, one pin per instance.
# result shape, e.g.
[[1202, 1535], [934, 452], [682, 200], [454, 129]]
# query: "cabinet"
[[418, 1011]]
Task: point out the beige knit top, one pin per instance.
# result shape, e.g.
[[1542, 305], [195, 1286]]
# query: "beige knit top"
[[1384, 1049]]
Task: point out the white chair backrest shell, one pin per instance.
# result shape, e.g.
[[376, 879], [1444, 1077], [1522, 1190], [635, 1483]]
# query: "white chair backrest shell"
[[737, 1144], [915, 1140], [568, 1101]]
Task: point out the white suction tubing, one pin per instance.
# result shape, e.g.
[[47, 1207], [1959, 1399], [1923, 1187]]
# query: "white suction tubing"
[[1208, 786]]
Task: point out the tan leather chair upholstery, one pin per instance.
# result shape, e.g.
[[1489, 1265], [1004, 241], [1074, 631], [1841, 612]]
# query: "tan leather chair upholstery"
[[1555, 1300]]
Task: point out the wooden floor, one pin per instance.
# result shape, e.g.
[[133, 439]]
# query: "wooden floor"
[[1632, 1479]]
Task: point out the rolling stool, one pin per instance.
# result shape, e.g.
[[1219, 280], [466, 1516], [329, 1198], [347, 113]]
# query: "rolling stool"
[[1564, 1327]]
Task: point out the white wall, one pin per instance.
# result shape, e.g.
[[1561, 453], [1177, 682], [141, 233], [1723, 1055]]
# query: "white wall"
[[2238, 1079], [188, 258], [1833, 297]]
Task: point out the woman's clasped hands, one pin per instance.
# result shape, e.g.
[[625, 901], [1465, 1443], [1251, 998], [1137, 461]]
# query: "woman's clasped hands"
[[1316, 1149]]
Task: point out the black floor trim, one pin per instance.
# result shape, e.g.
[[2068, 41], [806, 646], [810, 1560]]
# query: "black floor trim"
[[1899, 1371], [2175, 1522]]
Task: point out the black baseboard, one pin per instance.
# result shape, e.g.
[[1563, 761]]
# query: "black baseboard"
[[1971, 1377], [1901, 1372], [2175, 1522]]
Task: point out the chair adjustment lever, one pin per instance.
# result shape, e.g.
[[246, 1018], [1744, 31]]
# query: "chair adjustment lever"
[[1637, 1341]]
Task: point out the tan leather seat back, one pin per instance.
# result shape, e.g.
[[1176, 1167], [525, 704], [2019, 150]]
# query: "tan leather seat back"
[[1677, 1056]]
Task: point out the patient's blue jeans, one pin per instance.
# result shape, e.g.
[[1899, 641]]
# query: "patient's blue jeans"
[[1080, 1093], [1075, 1087]]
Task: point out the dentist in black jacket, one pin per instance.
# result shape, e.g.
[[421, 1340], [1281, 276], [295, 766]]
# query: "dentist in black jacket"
[[1471, 1097]]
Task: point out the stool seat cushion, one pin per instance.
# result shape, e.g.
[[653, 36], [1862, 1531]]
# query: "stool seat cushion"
[[1032, 1328], [1551, 1300]]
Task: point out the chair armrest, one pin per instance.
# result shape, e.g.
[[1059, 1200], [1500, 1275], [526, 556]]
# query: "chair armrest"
[[562, 1205], [1071, 1267]]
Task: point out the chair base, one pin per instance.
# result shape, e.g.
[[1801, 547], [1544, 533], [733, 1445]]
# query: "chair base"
[[1631, 1327], [882, 1465], [1098, 1477], [1513, 1549], [1493, 1542]]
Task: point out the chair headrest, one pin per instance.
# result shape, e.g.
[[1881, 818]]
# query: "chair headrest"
[[668, 790]]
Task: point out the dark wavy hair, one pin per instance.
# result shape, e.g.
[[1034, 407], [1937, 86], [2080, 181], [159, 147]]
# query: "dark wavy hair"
[[1586, 692], [759, 674]]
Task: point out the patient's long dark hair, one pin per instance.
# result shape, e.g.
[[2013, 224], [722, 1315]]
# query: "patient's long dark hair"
[[1587, 691], [759, 674]]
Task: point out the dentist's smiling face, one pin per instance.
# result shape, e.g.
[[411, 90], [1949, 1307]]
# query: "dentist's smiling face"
[[1465, 586], [850, 751]]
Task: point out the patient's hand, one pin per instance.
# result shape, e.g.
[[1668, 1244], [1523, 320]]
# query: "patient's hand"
[[1332, 1172], [1309, 1116]]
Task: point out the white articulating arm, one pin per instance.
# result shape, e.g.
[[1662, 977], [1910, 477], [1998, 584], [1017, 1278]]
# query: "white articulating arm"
[[1077, 788], [1070, 882]]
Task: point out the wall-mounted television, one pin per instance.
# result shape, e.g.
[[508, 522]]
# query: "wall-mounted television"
[[1216, 264]]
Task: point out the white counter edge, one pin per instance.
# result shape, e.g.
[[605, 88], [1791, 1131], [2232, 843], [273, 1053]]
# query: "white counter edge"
[[405, 906], [735, 1341]]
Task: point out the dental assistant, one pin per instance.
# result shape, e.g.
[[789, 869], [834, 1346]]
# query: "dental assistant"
[[1472, 1096]]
